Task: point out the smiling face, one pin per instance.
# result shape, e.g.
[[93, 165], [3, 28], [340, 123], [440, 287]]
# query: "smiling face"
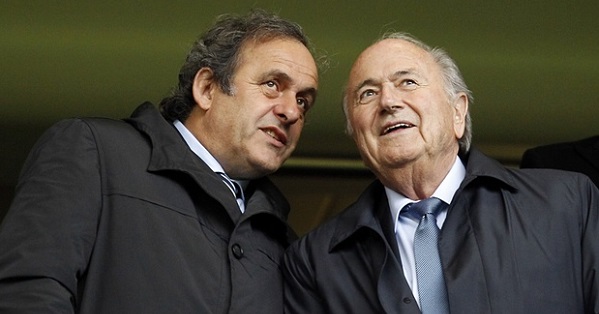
[[398, 109], [255, 129]]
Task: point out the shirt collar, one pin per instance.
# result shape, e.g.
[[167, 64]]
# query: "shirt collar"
[[445, 191], [201, 151], [355, 217]]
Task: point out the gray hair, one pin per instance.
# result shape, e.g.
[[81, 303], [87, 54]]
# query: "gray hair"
[[454, 83]]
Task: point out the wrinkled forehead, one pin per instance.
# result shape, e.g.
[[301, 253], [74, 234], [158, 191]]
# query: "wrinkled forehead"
[[281, 49], [382, 59]]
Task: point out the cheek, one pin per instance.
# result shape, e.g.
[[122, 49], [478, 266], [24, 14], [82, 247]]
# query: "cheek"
[[360, 121], [358, 133], [296, 130], [444, 129]]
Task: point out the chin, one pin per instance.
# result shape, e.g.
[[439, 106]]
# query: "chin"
[[268, 165]]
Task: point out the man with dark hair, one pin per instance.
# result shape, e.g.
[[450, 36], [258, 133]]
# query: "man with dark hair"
[[171, 212], [578, 156], [444, 228]]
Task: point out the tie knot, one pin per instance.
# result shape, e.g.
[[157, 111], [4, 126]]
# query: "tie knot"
[[431, 205]]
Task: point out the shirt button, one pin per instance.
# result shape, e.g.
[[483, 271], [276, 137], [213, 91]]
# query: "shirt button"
[[237, 251], [407, 300]]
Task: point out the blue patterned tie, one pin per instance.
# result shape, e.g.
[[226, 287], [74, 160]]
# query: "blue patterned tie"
[[235, 188], [429, 272]]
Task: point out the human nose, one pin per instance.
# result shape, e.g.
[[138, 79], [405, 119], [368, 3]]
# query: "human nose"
[[287, 110], [390, 99]]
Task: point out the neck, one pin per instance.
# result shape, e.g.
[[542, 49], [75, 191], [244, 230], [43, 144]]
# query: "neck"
[[417, 180]]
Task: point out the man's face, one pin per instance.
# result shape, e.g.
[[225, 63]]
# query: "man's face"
[[254, 130], [398, 108]]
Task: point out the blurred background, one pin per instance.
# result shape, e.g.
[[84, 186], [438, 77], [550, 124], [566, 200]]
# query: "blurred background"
[[533, 67]]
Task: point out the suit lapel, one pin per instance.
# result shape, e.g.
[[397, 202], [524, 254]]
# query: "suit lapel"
[[462, 262], [210, 183], [371, 211], [393, 289], [171, 153]]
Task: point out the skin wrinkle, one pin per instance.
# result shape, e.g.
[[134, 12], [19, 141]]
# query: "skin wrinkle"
[[400, 83], [263, 117]]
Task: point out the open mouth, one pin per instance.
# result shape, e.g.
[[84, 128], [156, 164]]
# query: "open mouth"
[[395, 127], [276, 135]]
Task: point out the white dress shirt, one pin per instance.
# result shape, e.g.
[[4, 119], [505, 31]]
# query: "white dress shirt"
[[203, 154], [405, 225]]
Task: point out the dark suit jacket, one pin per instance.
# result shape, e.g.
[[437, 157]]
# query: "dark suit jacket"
[[514, 241], [579, 156], [121, 217]]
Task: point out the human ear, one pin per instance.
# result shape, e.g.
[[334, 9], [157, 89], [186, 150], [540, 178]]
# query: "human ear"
[[460, 107], [203, 88]]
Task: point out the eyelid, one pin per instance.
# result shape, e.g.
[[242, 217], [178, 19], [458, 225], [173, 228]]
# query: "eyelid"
[[271, 87], [411, 81], [308, 95], [276, 84], [308, 102], [360, 94], [365, 92]]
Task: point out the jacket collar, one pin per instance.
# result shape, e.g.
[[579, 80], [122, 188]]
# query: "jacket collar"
[[370, 207], [479, 167], [365, 213], [171, 153]]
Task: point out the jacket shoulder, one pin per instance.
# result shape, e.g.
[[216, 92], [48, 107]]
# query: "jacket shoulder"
[[548, 176], [359, 215], [553, 184]]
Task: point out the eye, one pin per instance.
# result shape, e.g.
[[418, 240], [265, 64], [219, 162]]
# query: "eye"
[[271, 84], [304, 103], [270, 88], [408, 84], [366, 95]]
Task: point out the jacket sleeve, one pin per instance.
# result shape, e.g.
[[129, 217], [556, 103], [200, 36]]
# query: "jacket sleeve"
[[48, 233], [590, 248], [301, 295]]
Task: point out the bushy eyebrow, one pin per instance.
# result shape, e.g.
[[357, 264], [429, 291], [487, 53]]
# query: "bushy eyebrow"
[[279, 75], [285, 78]]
